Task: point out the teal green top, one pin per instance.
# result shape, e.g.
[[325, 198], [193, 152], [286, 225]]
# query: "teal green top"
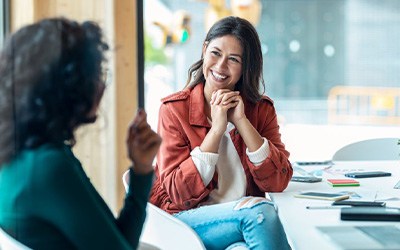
[[48, 202]]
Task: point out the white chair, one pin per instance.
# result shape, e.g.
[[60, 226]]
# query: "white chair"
[[378, 149], [164, 231], [9, 243]]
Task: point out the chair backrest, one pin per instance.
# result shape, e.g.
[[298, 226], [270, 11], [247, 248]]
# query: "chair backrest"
[[378, 149], [164, 230], [9, 243]]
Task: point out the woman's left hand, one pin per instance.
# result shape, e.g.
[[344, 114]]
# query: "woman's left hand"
[[236, 113]]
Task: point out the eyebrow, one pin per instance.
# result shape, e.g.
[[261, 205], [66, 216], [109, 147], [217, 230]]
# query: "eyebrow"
[[215, 47]]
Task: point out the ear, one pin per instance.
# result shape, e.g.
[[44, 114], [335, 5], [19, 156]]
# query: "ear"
[[205, 45]]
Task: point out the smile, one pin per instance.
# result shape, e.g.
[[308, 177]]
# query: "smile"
[[218, 76]]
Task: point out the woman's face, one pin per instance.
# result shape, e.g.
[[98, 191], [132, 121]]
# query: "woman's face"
[[222, 62]]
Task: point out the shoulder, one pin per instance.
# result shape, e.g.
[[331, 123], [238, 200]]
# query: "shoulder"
[[52, 154], [53, 161], [266, 99], [264, 102], [264, 105], [178, 96]]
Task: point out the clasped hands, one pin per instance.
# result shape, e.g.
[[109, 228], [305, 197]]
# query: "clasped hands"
[[226, 106]]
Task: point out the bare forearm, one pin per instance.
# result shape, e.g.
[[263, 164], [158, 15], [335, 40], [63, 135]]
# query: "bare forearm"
[[250, 135], [211, 141]]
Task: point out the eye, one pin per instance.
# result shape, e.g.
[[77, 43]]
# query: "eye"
[[215, 53], [234, 59]]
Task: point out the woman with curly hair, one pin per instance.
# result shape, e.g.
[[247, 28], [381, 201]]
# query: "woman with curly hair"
[[50, 84]]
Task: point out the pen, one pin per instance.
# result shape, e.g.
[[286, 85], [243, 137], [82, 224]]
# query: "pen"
[[326, 207]]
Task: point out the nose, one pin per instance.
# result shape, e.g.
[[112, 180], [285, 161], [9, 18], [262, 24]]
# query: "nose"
[[222, 62]]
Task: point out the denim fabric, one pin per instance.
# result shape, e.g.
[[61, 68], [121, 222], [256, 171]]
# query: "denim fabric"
[[255, 224]]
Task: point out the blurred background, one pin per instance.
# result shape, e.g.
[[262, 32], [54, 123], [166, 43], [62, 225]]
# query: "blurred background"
[[332, 67]]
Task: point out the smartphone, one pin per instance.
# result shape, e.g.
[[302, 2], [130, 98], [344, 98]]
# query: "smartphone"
[[360, 203], [367, 174], [370, 214], [305, 163], [308, 179], [322, 196]]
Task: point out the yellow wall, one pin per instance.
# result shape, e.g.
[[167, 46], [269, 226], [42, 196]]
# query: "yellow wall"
[[101, 146]]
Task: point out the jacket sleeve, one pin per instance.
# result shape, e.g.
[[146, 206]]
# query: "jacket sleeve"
[[178, 174], [68, 201], [274, 174]]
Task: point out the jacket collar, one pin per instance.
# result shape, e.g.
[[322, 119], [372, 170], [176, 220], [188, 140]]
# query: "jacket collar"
[[197, 116]]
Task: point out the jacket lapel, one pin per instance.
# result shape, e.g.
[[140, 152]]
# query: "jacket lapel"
[[196, 107]]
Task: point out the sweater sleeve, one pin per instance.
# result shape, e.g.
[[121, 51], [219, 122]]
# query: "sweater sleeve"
[[258, 157], [133, 214], [65, 198], [205, 163]]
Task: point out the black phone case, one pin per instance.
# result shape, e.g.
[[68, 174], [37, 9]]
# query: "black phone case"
[[370, 214]]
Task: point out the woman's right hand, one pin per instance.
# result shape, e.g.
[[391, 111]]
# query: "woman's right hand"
[[142, 143], [221, 101]]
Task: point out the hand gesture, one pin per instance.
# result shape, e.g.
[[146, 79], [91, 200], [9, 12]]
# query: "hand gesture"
[[236, 113], [142, 143], [221, 101]]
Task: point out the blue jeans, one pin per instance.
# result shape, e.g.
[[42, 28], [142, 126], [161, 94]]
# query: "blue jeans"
[[250, 221]]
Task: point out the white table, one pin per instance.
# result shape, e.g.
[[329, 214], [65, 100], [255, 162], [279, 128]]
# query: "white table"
[[300, 223]]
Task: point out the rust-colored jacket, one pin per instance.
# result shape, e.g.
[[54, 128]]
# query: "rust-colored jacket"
[[183, 125]]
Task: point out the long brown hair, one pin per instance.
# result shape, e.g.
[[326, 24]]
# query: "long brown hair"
[[252, 77]]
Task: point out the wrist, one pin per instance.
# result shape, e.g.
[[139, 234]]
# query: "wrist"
[[141, 169], [242, 121], [216, 131]]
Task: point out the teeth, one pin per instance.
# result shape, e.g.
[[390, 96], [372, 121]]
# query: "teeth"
[[218, 76]]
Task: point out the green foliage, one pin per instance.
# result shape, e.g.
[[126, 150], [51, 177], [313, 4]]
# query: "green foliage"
[[153, 55]]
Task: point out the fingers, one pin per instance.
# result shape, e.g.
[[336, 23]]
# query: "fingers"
[[231, 104], [146, 137], [140, 132], [223, 96], [139, 120], [142, 142]]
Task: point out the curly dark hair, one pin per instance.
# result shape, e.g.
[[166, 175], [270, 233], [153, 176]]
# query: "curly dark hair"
[[252, 77], [50, 79]]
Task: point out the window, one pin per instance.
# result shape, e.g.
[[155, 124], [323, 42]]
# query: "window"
[[4, 20], [330, 66]]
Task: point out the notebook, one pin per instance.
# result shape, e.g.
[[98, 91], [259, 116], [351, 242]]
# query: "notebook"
[[363, 237]]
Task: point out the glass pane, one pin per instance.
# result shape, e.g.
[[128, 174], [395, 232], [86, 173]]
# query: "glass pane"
[[332, 67], [2, 23]]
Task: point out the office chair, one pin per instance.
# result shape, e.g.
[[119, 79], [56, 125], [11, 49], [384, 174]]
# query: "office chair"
[[9, 243], [378, 149], [164, 231]]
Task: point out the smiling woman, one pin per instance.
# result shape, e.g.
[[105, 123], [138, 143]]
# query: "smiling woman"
[[222, 149]]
